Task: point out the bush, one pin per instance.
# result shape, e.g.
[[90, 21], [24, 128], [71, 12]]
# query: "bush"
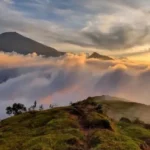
[[126, 120], [72, 141], [101, 123], [139, 122], [99, 108], [95, 120], [94, 141], [75, 110]]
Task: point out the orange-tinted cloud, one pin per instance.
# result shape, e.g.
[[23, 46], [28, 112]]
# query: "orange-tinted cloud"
[[70, 78]]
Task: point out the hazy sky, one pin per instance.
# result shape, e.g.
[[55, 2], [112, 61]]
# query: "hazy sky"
[[113, 27]]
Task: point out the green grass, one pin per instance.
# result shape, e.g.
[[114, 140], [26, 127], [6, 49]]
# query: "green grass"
[[110, 140], [137, 132], [82, 126]]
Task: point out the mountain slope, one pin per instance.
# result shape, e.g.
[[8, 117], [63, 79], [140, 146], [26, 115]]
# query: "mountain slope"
[[81, 126], [117, 108], [98, 56], [12, 41]]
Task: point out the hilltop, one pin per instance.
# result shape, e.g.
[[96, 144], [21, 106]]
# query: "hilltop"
[[117, 108], [84, 125], [13, 41]]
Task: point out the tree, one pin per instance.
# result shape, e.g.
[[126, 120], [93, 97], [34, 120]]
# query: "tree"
[[41, 107], [9, 110], [34, 106], [51, 106], [16, 109]]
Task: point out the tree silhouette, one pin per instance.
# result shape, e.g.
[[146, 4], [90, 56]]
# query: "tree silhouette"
[[51, 106], [16, 109], [34, 106], [9, 110], [41, 107]]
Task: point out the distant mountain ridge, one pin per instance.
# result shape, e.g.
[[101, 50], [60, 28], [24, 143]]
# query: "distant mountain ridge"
[[13, 41], [98, 56]]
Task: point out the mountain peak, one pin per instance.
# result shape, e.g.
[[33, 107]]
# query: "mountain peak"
[[10, 33], [99, 56], [13, 41]]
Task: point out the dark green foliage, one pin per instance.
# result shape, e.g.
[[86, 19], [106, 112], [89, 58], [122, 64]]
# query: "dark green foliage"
[[99, 108], [123, 119], [76, 110], [9, 110], [98, 123], [137, 121], [72, 141], [147, 126], [16, 109], [94, 141]]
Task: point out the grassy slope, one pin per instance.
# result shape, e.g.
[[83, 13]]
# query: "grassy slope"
[[82, 126], [117, 108]]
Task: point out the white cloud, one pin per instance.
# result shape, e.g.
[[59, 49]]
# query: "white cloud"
[[70, 78], [96, 26], [8, 1]]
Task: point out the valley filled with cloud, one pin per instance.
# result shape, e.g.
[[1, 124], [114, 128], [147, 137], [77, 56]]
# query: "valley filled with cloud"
[[69, 78]]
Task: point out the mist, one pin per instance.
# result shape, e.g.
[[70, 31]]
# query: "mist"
[[69, 78]]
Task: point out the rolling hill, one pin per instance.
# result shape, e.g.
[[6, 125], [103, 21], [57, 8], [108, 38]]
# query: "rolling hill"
[[81, 126], [12, 41]]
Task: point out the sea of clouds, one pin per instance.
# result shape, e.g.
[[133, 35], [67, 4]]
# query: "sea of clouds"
[[69, 78]]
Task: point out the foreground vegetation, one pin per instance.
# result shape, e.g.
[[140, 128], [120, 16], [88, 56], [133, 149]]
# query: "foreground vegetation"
[[81, 126]]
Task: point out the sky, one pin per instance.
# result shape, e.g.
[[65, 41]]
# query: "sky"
[[119, 28]]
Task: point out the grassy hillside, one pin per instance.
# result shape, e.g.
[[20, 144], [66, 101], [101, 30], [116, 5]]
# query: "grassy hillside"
[[81, 126], [117, 108]]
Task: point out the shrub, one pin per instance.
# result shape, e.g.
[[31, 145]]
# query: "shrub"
[[139, 122], [126, 120], [72, 141], [95, 120], [76, 110], [99, 108], [94, 141]]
